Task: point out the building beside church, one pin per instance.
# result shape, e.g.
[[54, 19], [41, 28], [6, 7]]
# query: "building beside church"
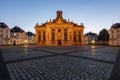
[[115, 35], [4, 34], [59, 32], [90, 38], [18, 36], [30, 38]]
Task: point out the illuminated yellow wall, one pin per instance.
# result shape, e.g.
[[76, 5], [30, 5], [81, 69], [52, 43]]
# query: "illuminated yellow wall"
[[59, 27]]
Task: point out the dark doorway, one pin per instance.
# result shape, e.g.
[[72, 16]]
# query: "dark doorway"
[[59, 42], [14, 43]]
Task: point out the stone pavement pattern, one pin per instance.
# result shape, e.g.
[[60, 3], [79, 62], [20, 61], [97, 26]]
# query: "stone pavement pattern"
[[59, 63]]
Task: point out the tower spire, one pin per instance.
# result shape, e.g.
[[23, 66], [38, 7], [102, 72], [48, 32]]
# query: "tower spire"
[[59, 14]]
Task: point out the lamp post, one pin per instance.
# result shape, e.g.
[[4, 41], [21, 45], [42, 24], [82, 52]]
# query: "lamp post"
[[14, 36], [93, 41]]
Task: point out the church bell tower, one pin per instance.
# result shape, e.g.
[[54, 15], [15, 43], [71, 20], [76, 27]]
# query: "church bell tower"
[[59, 14]]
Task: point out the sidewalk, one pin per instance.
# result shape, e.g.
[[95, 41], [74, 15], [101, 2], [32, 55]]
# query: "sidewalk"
[[4, 75], [115, 75]]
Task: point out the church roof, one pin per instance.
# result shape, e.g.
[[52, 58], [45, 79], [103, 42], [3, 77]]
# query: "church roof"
[[117, 25], [3, 25], [60, 19]]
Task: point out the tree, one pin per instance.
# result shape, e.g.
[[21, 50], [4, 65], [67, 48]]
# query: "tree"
[[103, 36]]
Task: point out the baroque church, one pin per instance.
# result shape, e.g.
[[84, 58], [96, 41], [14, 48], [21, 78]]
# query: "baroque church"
[[59, 32]]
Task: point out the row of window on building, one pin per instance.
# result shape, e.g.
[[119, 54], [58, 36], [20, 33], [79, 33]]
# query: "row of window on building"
[[15, 36], [115, 34], [65, 35]]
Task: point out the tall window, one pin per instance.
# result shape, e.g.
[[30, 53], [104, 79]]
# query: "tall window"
[[74, 35], [59, 30], [39, 36], [53, 30], [6, 36], [112, 36], [0, 35], [53, 36], [65, 35], [44, 36], [79, 36], [70, 36]]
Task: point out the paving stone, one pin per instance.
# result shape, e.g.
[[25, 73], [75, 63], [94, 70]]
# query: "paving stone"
[[22, 63]]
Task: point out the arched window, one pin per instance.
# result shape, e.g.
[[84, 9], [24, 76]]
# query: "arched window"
[[53, 30], [53, 35], [44, 36], [79, 36], [39, 36], [70, 36], [59, 30], [74, 36], [65, 35]]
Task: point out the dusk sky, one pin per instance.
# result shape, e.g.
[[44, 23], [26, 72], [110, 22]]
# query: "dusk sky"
[[95, 14]]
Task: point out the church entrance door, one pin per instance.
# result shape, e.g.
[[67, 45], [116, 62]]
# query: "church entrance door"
[[59, 42], [14, 43]]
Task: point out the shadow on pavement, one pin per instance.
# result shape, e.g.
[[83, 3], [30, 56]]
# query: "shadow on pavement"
[[115, 75]]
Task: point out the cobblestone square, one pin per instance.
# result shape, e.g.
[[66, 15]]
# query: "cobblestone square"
[[59, 63]]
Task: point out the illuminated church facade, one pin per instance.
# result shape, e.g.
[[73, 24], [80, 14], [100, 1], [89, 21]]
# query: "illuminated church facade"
[[59, 32]]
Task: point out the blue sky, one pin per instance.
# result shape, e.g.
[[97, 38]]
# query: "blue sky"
[[95, 14]]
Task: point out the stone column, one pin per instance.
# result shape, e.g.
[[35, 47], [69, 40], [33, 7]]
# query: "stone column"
[[37, 37]]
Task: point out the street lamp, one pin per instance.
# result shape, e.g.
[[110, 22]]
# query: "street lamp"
[[93, 41], [14, 34], [26, 41]]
